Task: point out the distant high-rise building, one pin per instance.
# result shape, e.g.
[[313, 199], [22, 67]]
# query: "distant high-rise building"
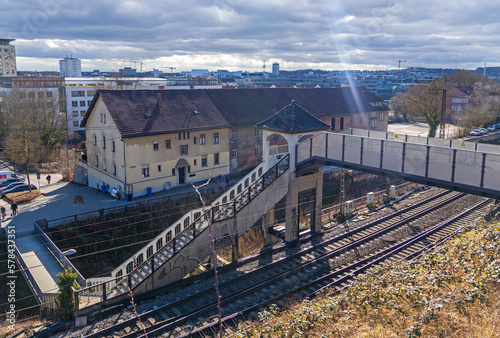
[[70, 67], [276, 69], [7, 58]]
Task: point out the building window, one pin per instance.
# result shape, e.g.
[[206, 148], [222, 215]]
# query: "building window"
[[75, 114], [216, 158], [256, 150], [341, 123], [173, 171], [168, 144], [168, 236], [114, 168], [78, 93], [256, 132], [76, 123], [90, 92], [74, 103], [89, 103], [195, 162], [48, 94], [101, 118], [113, 147], [234, 153], [104, 142], [381, 116], [360, 118], [194, 140], [216, 138], [156, 146], [204, 161], [189, 169], [104, 167], [374, 123], [234, 134], [333, 123], [104, 116], [145, 171], [97, 161], [180, 136], [203, 139], [95, 140], [184, 150], [159, 168], [82, 103], [82, 112], [149, 251]]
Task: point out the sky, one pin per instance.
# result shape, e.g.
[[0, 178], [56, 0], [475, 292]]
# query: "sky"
[[241, 34]]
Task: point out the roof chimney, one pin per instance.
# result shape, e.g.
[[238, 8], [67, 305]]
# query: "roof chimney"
[[159, 100]]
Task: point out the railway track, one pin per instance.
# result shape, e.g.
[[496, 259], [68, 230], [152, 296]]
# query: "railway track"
[[299, 268], [340, 279]]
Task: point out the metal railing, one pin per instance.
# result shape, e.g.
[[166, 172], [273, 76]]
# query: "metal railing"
[[213, 214], [63, 260]]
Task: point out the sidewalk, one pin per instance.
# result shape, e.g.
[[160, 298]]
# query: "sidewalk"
[[57, 202]]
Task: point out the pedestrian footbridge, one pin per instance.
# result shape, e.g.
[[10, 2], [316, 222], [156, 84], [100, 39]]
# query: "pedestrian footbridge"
[[457, 165], [292, 167]]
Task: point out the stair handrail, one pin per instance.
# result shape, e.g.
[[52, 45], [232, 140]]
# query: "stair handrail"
[[181, 219], [284, 163]]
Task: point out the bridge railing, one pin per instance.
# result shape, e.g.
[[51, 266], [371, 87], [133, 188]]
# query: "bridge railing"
[[449, 167]]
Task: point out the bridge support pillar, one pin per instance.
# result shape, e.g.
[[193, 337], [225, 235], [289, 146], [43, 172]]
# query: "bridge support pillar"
[[267, 220], [317, 205], [312, 181]]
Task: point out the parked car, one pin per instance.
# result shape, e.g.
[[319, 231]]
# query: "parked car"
[[475, 132], [483, 130], [12, 185], [491, 128], [8, 181], [17, 188]]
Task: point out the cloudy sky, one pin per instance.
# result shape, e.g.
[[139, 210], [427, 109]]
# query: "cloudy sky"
[[239, 34]]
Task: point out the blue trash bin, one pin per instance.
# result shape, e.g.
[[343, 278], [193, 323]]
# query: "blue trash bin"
[[103, 188], [149, 190]]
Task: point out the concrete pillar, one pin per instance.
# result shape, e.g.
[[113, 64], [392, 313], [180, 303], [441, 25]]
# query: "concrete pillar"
[[319, 202], [267, 220], [292, 212]]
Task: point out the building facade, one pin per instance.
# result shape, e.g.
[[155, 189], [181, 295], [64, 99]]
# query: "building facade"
[[7, 58], [70, 67], [148, 141]]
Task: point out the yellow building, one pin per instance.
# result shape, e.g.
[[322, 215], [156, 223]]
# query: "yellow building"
[[144, 141]]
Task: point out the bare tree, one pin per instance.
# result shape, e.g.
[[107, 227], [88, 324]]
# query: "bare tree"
[[425, 101], [483, 107], [466, 78], [32, 130]]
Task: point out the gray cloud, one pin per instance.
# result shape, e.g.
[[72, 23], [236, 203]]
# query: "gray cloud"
[[238, 34]]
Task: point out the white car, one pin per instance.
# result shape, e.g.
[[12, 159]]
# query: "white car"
[[475, 132]]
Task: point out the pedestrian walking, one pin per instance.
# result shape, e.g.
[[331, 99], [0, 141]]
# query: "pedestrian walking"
[[48, 179], [4, 212], [13, 208]]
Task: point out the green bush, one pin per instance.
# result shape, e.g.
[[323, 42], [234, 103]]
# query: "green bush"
[[66, 306]]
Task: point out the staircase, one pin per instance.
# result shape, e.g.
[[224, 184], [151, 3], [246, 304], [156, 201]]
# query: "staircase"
[[189, 247]]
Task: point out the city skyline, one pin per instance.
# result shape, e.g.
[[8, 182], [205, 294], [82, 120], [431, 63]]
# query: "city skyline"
[[237, 35]]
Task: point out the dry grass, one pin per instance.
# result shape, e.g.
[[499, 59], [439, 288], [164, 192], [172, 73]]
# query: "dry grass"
[[23, 196], [451, 292], [250, 242]]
